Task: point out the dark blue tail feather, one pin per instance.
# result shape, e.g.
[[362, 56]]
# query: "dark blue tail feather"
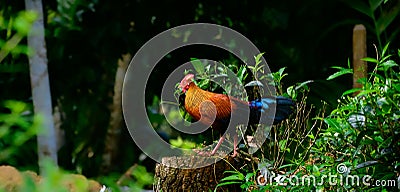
[[284, 107]]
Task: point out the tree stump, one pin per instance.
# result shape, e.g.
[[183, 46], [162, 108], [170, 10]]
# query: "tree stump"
[[168, 178]]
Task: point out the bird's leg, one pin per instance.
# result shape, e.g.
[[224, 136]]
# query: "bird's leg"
[[202, 153], [218, 145], [235, 139], [220, 141]]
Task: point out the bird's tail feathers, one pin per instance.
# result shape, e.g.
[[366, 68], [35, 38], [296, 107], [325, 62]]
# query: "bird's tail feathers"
[[284, 107]]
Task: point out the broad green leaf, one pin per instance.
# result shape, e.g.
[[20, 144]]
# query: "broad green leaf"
[[198, 65], [291, 92], [332, 123], [281, 70], [388, 64]]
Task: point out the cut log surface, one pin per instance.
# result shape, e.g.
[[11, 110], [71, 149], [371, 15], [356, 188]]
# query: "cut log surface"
[[168, 178]]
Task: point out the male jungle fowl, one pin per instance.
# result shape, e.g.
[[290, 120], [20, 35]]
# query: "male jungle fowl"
[[198, 102]]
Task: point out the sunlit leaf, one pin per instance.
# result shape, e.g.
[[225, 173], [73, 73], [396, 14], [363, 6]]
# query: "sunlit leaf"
[[351, 91], [369, 59], [340, 73]]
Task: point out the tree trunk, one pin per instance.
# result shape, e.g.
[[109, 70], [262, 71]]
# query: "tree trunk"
[[47, 144], [114, 128], [168, 178]]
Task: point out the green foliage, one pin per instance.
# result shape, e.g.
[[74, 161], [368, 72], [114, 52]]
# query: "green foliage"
[[17, 129], [185, 144], [288, 144], [16, 29], [82, 80], [382, 13], [135, 179], [363, 131], [358, 140], [235, 177]]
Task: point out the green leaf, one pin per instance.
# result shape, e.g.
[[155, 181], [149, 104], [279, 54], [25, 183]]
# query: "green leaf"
[[388, 64], [291, 92], [249, 175], [332, 123], [369, 59], [379, 139], [198, 65], [365, 92], [385, 49], [374, 4], [241, 73], [350, 91], [386, 18], [360, 6], [238, 176], [258, 58], [342, 71], [303, 84], [281, 70], [282, 145]]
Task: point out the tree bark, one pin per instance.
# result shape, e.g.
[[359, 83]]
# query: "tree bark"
[[168, 178], [47, 144], [114, 128]]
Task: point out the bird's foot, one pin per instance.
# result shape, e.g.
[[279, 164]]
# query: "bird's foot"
[[234, 153]]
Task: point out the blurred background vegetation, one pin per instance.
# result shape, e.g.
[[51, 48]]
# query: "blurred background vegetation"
[[85, 39]]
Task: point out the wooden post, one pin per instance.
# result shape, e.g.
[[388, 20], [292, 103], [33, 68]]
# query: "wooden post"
[[206, 178], [359, 52]]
